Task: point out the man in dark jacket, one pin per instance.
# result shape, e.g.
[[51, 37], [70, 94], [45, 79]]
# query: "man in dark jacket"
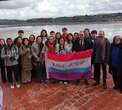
[[101, 57], [82, 43]]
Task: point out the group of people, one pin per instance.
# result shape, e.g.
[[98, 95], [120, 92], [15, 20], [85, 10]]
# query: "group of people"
[[24, 57]]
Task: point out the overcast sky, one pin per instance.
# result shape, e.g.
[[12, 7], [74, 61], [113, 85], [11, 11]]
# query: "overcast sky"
[[27, 9]]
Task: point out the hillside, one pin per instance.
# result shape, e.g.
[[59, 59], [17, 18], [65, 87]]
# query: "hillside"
[[102, 18]]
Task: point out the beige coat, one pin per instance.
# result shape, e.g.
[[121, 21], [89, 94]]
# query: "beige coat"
[[25, 54]]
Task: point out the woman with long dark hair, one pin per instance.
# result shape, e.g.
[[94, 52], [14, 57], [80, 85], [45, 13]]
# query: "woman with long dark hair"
[[69, 44], [62, 51], [31, 39], [44, 36], [38, 60], [25, 52], [57, 39]]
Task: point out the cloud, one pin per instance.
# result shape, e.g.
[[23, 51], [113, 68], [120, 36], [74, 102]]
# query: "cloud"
[[105, 6], [27, 9], [14, 4]]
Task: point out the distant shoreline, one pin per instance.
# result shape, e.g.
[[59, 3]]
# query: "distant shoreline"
[[73, 20], [46, 24]]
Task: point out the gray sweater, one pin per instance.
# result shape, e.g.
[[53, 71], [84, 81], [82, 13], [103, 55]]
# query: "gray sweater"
[[11, 55]]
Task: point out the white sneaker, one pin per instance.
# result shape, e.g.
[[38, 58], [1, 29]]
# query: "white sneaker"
[[65, 83], [60, 82], [12, 86], [18, 85]]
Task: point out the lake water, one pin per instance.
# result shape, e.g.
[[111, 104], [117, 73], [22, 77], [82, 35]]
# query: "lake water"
[[110, 29]]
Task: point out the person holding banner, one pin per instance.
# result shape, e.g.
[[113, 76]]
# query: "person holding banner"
[[57, 39], [69, 44], [101, 52], [68, 67], [79, 45], [62, 48], [50, 46], [62, 51]]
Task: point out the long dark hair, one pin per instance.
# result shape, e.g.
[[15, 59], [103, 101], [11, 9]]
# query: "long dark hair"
[[24, 41], [41, 45], [42, 32], [57, 39], [68, 40], [3, 41], [115, 39]]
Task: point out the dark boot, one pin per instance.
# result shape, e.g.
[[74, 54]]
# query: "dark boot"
[[104, 86]]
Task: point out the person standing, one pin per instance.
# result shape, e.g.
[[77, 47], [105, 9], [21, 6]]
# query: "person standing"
[[50, 47], [11, 55], [2, 63], [75, 36], [65, 34], [93, 38], [87, 33], [93, 35], [25, 53], [57, 39], [52, 33], [37, 60], [44, 36], [18, 43], [120, 70], [69, 44], [1, 99], [20, 34], [114, 60], [31, 39], [79, 45], [100, 57], [62, 51]]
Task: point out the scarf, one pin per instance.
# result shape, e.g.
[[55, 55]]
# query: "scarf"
[[51, 47]]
